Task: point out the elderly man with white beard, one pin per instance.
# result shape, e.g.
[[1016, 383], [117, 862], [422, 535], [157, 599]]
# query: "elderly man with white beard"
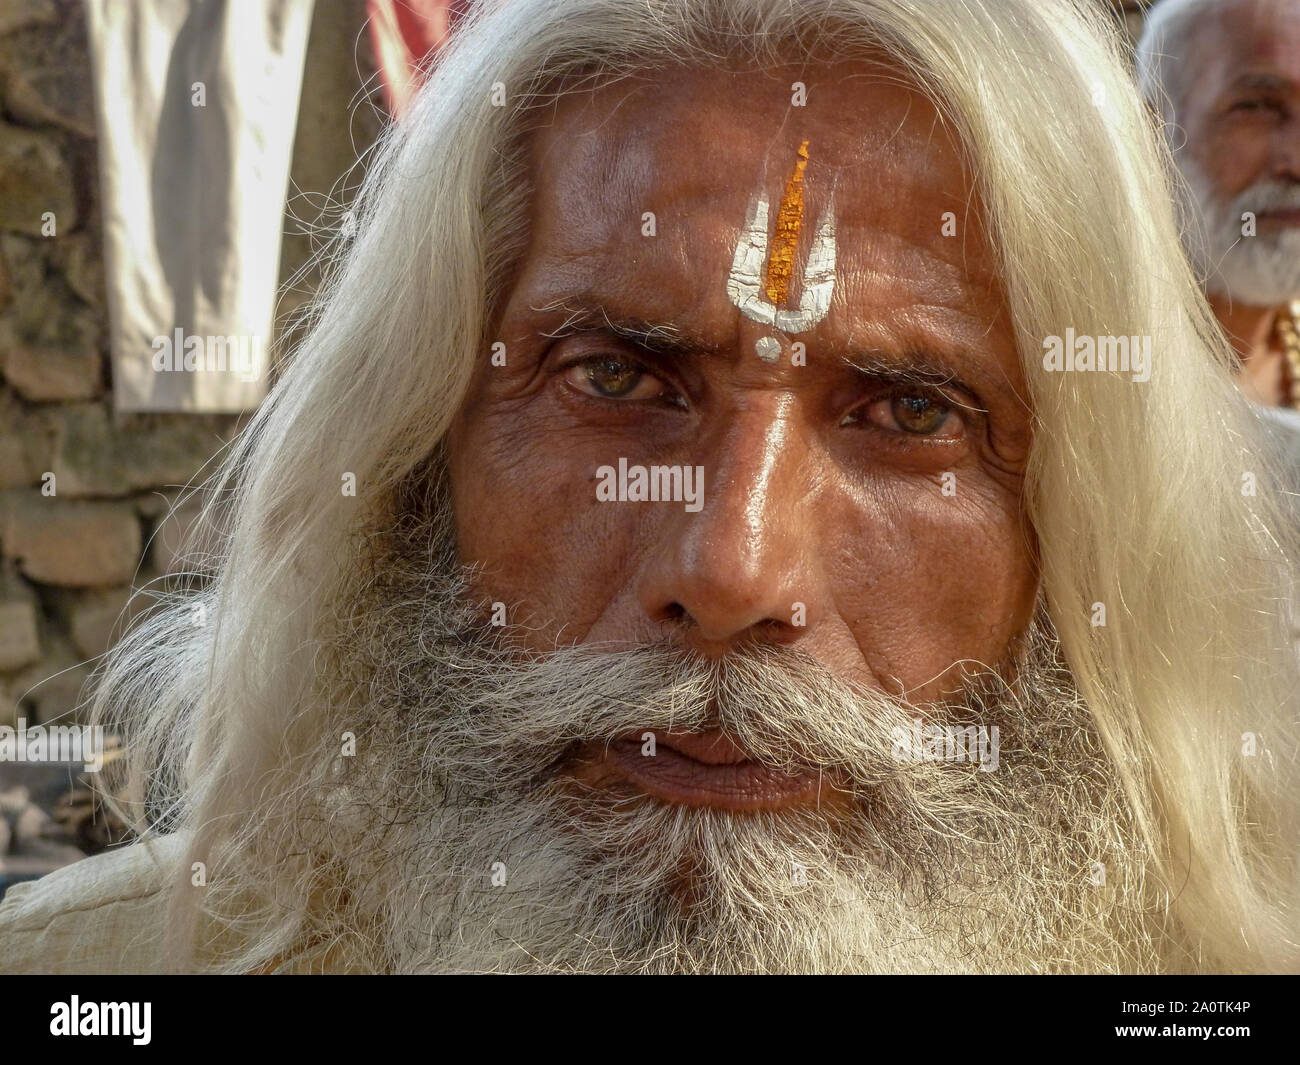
[[966, 661], [1225, 77]]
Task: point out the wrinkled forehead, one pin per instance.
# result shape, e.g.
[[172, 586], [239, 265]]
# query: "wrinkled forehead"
[[693, 148]]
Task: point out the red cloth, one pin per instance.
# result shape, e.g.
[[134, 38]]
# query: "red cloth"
[[405, 34]]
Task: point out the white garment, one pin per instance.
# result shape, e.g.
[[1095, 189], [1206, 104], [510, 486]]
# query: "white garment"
[[106, 915], [193, 196]]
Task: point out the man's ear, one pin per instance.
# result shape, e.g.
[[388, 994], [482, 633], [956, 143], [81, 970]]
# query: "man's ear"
[[406, 34]]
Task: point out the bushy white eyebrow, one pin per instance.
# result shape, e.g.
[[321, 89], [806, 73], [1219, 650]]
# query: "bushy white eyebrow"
[[665, 337]]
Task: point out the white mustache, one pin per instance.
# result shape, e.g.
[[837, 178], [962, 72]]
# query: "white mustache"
[[1268, 195], [782, 708], [504, 723]]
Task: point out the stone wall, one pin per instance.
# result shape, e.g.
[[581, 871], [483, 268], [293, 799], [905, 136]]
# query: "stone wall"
[[85, 494]]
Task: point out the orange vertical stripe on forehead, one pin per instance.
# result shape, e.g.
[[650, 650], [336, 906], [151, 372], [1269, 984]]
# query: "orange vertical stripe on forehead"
[[780, 264]]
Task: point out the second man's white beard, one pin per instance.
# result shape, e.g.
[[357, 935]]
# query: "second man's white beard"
[[1258, 271]]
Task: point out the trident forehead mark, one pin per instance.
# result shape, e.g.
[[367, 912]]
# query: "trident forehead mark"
[[757, 296]]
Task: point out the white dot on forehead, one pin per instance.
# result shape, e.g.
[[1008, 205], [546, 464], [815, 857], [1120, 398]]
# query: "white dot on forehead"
[[768, 348]]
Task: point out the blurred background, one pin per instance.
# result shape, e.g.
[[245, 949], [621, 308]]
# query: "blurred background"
[[93, 457]]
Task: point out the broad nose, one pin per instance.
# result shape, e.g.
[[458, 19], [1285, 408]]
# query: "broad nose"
[[746, 565]]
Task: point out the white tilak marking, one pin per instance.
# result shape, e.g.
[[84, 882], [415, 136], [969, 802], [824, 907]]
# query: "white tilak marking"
[[745, 286], [768, 348]]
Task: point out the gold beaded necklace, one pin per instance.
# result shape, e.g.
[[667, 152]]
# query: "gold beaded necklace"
[[1288, 335]]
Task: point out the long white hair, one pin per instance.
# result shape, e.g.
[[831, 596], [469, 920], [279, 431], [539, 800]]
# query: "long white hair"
[[1156, 499]]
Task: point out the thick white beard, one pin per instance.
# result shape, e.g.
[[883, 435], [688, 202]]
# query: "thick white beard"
[[937, 867], [1258, 271]]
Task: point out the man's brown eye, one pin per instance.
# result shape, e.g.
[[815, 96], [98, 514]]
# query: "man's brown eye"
[[919, 414], [612, 378], [1255, 105], [607, 377]]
